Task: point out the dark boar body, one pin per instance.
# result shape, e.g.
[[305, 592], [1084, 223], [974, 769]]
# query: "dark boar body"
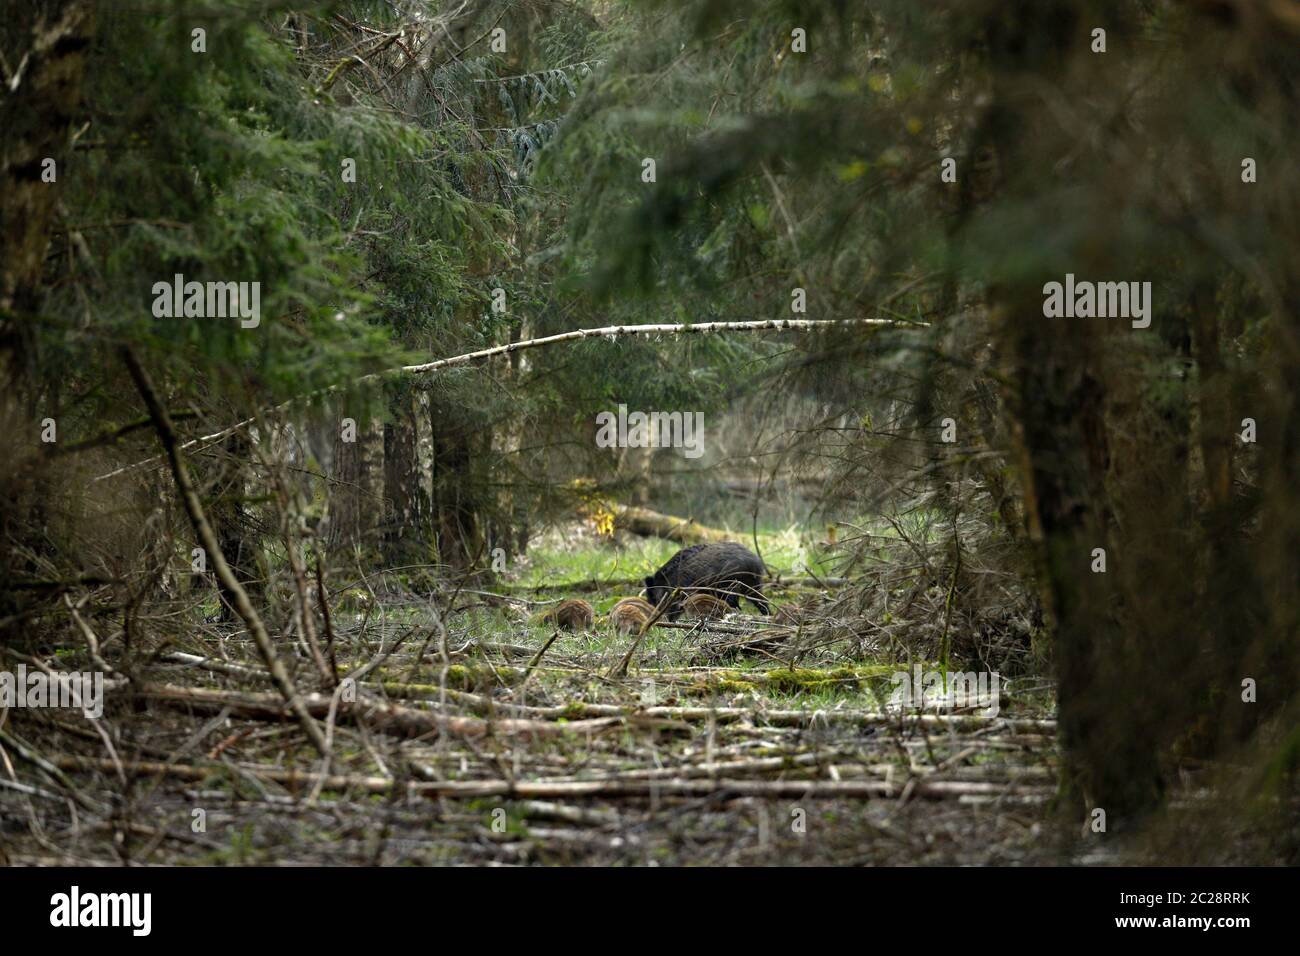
[[727, 571]]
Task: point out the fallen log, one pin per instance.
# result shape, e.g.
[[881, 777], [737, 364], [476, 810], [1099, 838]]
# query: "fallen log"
[[378, 715], [263, 707], [782, 718], [797, 789], [542, 790], [808, 718], [652, 524], [458, 675]]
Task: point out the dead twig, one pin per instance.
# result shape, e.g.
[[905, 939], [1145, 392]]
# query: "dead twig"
[[203, 530]]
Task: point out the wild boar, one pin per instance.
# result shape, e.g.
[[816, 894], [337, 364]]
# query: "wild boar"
[[638, 602], [572, 615], [630, 615], [704, 607], [726, 570]]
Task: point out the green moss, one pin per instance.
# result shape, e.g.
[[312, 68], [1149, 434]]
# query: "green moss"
[[705, 688], [575, 710], [466, 677], [804, 679], [784, 680]]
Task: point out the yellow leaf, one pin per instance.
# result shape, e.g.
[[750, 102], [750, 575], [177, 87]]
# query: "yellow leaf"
[[854, 170]]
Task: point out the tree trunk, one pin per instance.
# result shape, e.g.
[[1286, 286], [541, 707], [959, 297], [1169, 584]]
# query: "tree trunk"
[[354, 505], [1062, 454], [455, 496], [46, 43], [234, 527], [406, 504], [1057, 401]]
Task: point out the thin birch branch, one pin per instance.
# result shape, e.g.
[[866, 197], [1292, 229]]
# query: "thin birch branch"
[[609, 331]]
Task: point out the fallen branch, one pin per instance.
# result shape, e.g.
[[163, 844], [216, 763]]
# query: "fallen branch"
[[776, 718], [397, 689], [807, 718], [242, 605], [537, 658], [470, 789], [382, 716]]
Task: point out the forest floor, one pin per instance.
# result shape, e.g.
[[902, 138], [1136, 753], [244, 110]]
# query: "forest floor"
[[684, 760], [496, 740]]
